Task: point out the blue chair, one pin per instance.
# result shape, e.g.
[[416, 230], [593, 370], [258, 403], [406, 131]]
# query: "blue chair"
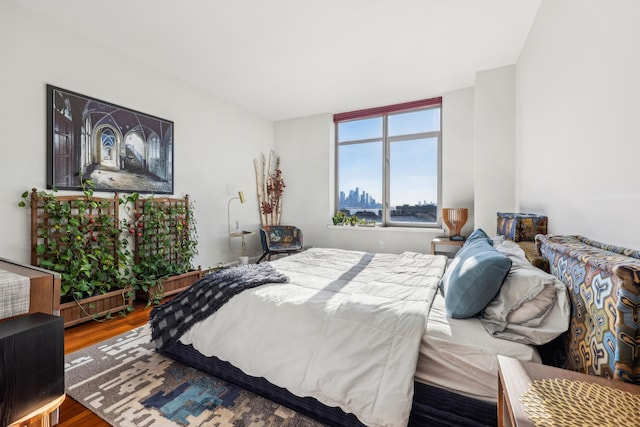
[[280, 239]]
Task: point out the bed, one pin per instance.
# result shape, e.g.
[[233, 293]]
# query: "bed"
[[389, 353]]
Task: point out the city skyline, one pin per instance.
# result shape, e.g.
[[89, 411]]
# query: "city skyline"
[[358, 199]]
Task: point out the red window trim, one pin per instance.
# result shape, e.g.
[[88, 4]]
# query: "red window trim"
[[369, 112]]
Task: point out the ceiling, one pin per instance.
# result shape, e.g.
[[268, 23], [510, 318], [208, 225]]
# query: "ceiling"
[[281, 59]]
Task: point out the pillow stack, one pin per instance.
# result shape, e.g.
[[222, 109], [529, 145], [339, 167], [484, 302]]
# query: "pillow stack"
[[474, 277], [532, 306], [514, 300]]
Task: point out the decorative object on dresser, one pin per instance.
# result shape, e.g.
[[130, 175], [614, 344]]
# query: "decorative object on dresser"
[[604, 287], [455, 219], [32, 368], [521, 227], [165, 242]]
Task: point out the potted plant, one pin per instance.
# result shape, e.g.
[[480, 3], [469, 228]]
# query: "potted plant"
[[81, 238], [339, 218], [164, 232]]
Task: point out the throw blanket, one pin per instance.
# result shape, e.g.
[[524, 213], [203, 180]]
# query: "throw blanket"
[[14, 294], [172, 319], [346, 329]]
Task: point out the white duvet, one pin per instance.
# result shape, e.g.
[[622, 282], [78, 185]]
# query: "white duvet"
[[345, 330]]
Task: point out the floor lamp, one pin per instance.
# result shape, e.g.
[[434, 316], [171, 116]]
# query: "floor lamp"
[[243, 257]]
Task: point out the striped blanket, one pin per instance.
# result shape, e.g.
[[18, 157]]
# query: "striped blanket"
[[171, 320]]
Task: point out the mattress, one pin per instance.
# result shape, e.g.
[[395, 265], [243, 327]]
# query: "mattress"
[[345, 329], [460, 355]]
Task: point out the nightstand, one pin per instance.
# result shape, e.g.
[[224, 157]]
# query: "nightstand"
[[515, 377], [444, 241]]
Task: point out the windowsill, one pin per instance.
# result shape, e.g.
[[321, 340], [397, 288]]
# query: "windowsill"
[[429, 230]]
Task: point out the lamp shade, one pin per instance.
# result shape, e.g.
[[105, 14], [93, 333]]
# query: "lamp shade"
[[241, 195], [455, 219]]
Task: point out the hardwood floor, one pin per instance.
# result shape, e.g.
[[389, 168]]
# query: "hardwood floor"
[[72, 413]]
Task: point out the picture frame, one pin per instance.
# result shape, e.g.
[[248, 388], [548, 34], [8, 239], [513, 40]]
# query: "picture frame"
[[117, 148]]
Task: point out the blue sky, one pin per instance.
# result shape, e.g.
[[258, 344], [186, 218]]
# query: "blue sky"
[[413, 162]]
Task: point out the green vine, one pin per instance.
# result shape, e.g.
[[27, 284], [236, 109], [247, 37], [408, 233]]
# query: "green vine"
[[165, 241], [82, 239]]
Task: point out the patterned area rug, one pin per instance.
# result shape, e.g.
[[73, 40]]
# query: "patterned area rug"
[[127, 383]]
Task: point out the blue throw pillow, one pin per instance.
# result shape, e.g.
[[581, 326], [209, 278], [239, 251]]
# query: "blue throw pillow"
[[478, 233], [473, 279]]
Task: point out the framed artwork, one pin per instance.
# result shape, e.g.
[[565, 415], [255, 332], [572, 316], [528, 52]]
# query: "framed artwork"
[[117, 148]]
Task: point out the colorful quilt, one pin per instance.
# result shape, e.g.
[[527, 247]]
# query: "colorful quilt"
[[604, 286]]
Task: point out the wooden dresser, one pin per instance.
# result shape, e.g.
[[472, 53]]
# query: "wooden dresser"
[[45, 286]]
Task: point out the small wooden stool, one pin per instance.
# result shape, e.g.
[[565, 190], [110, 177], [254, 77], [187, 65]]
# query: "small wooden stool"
[[41, 416]]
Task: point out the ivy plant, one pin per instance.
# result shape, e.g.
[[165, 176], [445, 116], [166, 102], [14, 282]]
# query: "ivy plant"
[[80, 237], [164, 231]]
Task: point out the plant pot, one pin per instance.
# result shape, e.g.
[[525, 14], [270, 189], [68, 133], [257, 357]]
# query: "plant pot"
[[172, 285], [87, 309]]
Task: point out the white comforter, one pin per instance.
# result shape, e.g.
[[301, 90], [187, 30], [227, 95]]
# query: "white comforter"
[[345, 330]]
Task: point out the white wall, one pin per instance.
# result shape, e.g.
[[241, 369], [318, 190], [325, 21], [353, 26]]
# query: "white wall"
[[306, 155], [307, 151], [214, 141], [458, 153], [578, 86], [494, 142]]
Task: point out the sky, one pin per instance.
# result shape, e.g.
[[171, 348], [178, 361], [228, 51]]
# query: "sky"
[[413, 161]]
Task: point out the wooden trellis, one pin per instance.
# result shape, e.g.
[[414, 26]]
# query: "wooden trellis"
[[161, 229], [58, 223]]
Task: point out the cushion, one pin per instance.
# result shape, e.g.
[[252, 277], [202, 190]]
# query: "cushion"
[[473, 278], [478, 233], [525, 296], [531, 307]]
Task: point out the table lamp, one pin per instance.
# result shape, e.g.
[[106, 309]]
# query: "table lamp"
[[455, 219]]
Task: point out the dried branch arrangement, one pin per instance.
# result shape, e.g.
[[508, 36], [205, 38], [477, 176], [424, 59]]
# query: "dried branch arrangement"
[[270, 185]]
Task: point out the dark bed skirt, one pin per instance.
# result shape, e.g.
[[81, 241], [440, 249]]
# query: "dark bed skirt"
[[432, 406]]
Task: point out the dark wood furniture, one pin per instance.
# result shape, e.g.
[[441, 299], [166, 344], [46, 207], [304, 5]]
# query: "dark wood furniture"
[[515, 377], [32, 368]]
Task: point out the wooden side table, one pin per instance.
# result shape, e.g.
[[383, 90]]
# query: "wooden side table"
[[444, 241], [40, 416], [514, 377]]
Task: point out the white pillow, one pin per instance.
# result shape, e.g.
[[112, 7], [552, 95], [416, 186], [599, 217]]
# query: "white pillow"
[[531, 307], [535, 307]]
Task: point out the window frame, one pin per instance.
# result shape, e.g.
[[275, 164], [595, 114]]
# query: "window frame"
[[386, 140]]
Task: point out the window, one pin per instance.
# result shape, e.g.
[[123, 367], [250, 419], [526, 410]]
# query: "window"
[[388, 163]]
